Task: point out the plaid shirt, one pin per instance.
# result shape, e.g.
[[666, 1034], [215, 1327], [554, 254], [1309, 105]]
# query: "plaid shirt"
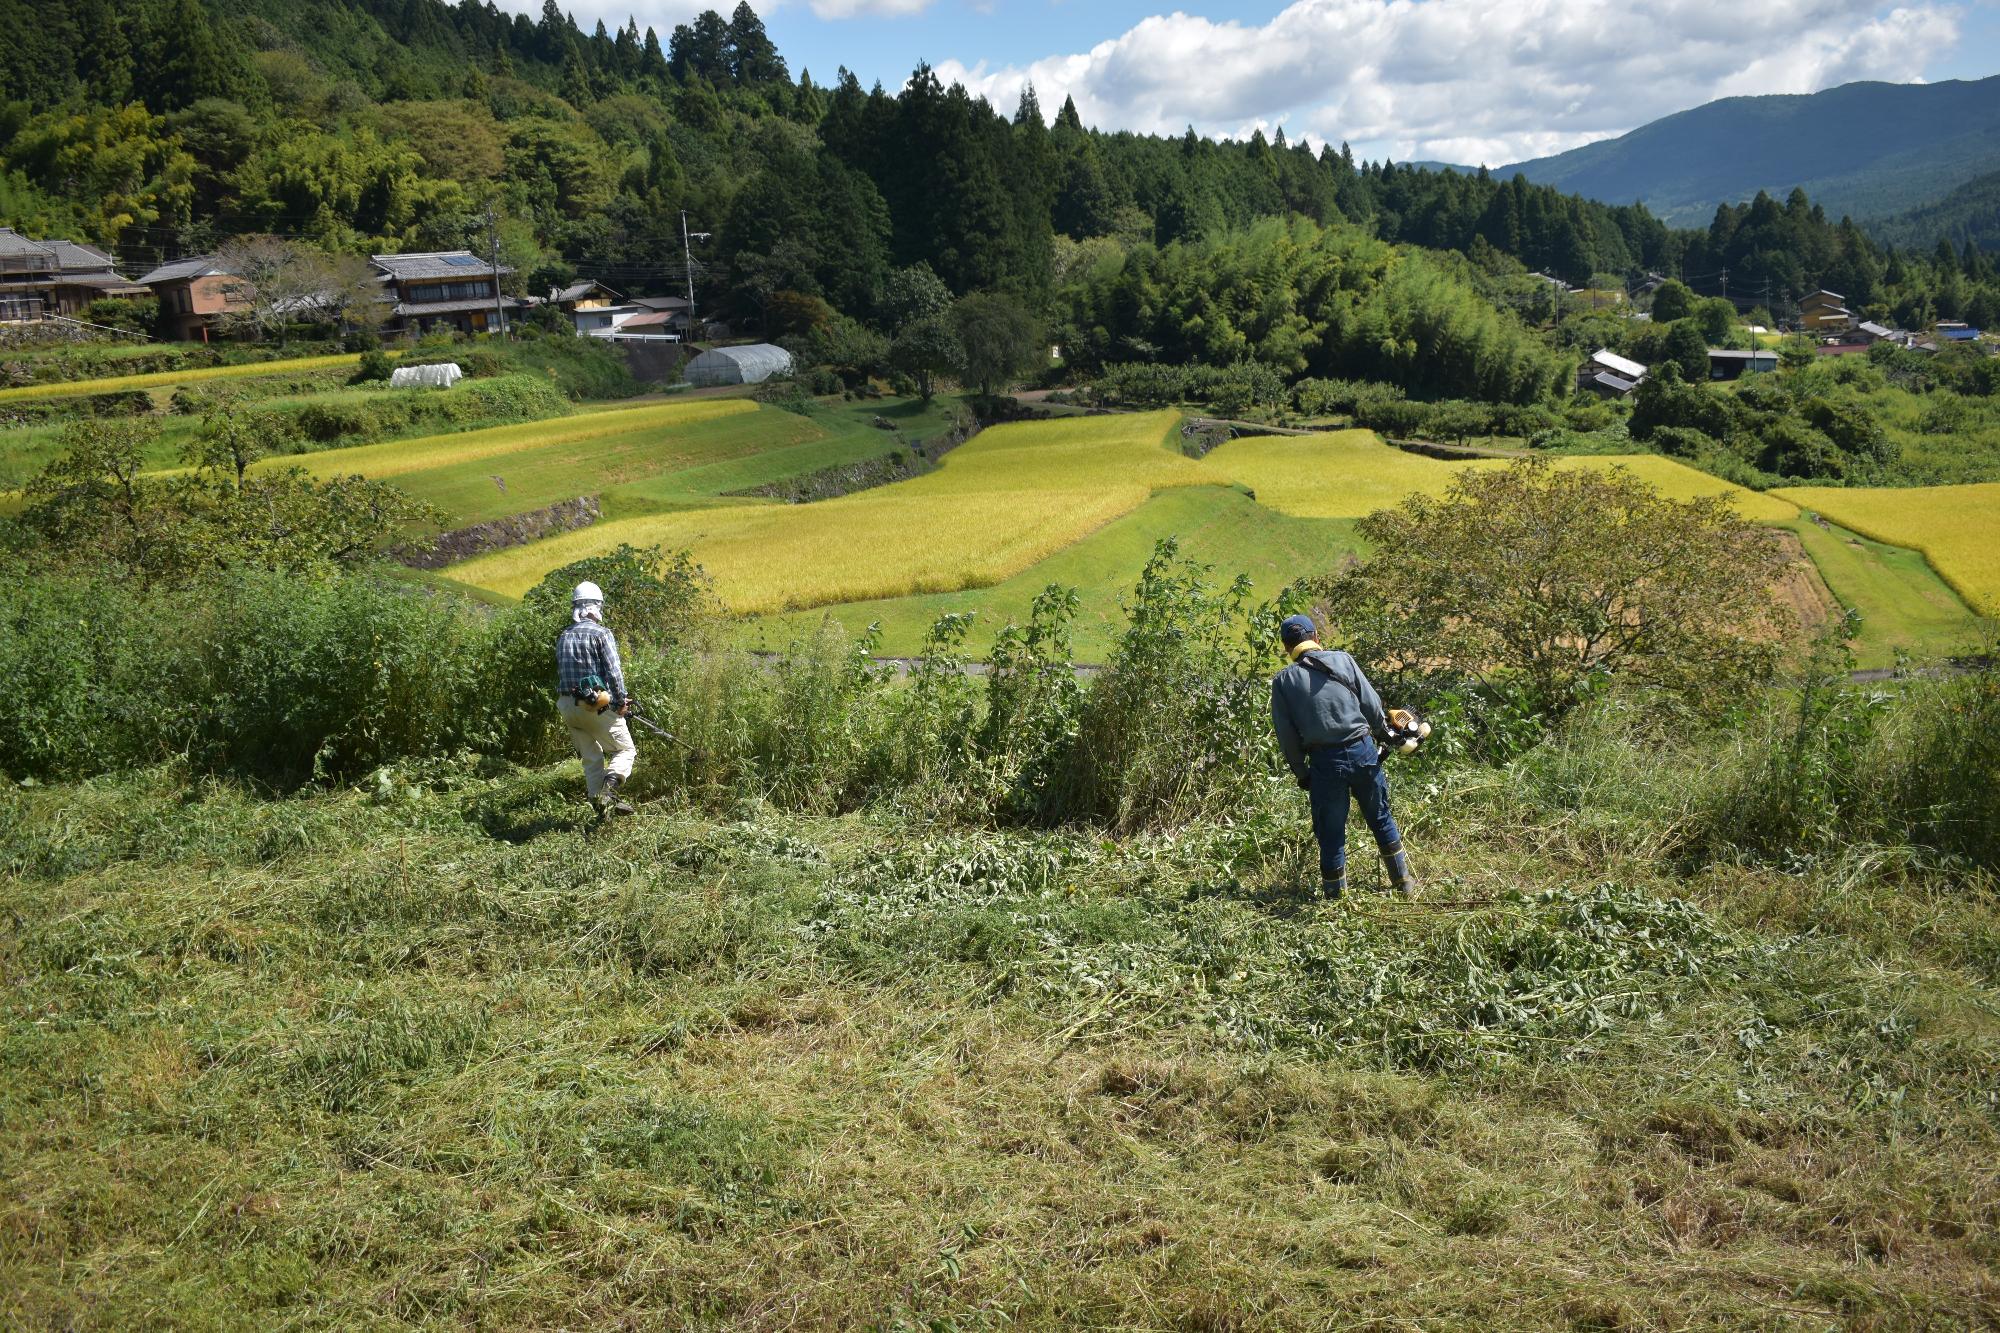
[[587, 649]]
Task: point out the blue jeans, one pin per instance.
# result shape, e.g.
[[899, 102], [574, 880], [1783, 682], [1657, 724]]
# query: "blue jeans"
[[1337, 772]]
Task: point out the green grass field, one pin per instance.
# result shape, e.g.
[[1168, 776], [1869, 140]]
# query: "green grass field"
[[1905, 608]]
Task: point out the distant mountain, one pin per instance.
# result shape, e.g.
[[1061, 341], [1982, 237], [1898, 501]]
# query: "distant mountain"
[[1969, 213], [1869, 150]]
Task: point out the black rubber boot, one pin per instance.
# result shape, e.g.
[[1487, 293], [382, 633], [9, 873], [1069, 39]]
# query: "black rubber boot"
[[607, 800], [1332, 889], [1401, 882]]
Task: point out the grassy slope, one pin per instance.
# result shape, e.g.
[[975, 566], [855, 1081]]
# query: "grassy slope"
[[331, 1063], [1218, 526]]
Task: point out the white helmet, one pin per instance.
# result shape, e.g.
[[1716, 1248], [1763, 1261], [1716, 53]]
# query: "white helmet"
[[586, 592]]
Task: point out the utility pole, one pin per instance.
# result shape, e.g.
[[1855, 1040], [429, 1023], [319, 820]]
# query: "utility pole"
[[1725, 284], [687, 257], [493, 256]]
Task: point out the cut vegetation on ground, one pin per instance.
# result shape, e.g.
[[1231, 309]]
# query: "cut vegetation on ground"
[[356, 1059]]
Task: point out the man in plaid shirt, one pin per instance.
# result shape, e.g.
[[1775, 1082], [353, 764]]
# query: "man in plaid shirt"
[[590, 695]]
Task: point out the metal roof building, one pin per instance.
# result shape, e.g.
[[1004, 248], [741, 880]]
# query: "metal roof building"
[[752, 364]]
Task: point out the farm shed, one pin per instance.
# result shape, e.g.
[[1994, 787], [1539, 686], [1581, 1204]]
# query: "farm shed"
[[739, 365]]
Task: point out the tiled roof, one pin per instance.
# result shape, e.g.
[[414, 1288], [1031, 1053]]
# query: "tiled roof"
[[179, 269], [452, 307], [26, 253], [436, 264], [576, 291], [13, 245]]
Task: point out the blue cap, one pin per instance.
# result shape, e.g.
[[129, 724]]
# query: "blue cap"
[[1296, 630]]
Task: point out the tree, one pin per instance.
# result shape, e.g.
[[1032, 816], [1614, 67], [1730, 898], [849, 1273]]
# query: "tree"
[[912, 293], [926, 349], [1674, 300], [1688, 349], [1000, 339], [753, 56], [1553, 579], [92, 504], [274, 284]]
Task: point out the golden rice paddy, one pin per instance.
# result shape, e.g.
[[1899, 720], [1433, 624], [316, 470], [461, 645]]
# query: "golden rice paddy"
[[1011, 497], [395, 458], [162, 378], [1956, 527], [1348, 474]]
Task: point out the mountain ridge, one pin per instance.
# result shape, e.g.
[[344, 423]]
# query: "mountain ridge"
[[1867, 149]]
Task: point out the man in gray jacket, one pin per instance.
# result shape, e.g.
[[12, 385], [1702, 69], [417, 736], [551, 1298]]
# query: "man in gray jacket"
[[1328, 719]]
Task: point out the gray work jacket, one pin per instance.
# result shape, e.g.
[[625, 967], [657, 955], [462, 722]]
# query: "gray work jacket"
[[1311, 709]]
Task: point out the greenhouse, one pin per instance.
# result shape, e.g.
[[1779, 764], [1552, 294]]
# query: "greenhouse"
[[739, 365]]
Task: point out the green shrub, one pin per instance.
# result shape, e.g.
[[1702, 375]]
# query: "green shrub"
[[273, 679], [374, 366]]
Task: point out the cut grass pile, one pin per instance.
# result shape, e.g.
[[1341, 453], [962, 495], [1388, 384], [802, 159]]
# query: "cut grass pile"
[[442, 1058], [169, 378], [1010, 497], [1956, 527]]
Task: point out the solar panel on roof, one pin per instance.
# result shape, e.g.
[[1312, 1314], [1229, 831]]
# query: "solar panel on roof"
[[461, 261]]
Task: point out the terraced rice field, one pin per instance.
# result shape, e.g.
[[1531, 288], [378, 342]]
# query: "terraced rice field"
[[1013, 496], [1072, 502], [1956, 527], [1348, 474], [434, 454], [167, 378], [1216, 525]]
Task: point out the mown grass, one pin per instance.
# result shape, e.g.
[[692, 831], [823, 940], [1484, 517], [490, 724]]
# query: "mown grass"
[[170, 378], [433, 1054], [1218, 526], [1956, 527]]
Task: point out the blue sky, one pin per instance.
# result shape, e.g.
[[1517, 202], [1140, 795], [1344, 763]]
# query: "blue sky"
[[1491, 81]]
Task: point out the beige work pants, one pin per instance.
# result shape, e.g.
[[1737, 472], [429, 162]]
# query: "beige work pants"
[[602, 741]]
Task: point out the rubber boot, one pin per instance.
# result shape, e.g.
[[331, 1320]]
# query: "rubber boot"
[[607, 800], [1401, 882], [1332, 889]]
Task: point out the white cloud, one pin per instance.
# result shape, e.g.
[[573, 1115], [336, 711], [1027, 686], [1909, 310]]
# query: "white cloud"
[[1489, 81], [848, 9]]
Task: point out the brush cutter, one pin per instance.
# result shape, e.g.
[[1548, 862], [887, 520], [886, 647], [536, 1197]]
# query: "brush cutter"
[[1406, 732], [657, 730]]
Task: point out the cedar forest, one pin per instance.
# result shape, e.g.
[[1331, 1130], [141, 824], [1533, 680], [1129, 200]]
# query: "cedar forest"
[[162, 127]]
